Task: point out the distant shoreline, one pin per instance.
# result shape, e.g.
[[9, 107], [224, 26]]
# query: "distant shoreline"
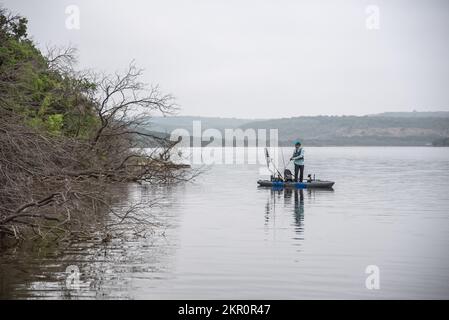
[[384, 129]]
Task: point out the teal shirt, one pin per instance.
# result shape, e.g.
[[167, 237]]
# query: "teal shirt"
[[298, 157]]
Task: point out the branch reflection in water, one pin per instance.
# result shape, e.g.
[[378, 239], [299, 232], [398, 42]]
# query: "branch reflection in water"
[[106, 266], [293, 199]]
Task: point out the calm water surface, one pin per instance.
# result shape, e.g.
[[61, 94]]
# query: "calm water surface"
[[223, 237]]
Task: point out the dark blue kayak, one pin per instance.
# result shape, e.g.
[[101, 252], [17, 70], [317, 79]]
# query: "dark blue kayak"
[[298, 185]]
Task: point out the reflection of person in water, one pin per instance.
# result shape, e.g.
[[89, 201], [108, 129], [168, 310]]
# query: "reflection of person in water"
[[299, 209], [296, 205]]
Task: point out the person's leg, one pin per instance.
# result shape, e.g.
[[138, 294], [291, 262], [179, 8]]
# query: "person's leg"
[[301, 169], [296, 172]]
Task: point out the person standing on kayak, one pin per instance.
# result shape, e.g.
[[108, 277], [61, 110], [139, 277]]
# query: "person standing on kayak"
[[298, 160]]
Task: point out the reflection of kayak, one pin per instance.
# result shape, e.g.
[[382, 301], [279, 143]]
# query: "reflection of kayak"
[[299, 185]]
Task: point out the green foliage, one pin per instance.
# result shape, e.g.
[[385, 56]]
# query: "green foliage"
[[12, 26], [54, 123], [50, 100]]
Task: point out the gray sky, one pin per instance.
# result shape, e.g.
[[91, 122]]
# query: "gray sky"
[[258, 58]]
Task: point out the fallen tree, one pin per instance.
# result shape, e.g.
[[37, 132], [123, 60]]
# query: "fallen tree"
[[68, 139]]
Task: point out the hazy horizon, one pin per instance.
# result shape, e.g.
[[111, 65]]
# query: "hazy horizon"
[[264, 59], [311, 115]]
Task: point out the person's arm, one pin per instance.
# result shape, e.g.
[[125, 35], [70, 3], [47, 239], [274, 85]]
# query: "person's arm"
[[297, 157]]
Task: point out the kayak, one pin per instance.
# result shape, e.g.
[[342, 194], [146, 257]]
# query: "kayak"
[[298, 185]]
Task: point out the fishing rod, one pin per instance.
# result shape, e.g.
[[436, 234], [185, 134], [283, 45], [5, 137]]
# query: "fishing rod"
[[268, 158], [285, 165], [283, 160]]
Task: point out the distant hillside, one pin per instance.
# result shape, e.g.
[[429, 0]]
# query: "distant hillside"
[[385, 129], [168, 124], [443, 142], [414, 114], [352, 130]]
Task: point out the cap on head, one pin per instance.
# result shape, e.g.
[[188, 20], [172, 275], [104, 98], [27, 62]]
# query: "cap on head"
[[297, 143]]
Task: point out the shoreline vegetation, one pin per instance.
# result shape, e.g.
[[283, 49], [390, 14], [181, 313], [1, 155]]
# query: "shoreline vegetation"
[[69, 139]]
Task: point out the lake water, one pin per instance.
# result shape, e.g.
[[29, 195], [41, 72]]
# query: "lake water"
[[223, 237]]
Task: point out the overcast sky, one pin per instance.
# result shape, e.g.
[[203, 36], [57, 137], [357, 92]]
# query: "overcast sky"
[[260, 59]]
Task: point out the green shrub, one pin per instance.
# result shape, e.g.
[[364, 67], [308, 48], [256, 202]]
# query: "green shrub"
[[54, 123]]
